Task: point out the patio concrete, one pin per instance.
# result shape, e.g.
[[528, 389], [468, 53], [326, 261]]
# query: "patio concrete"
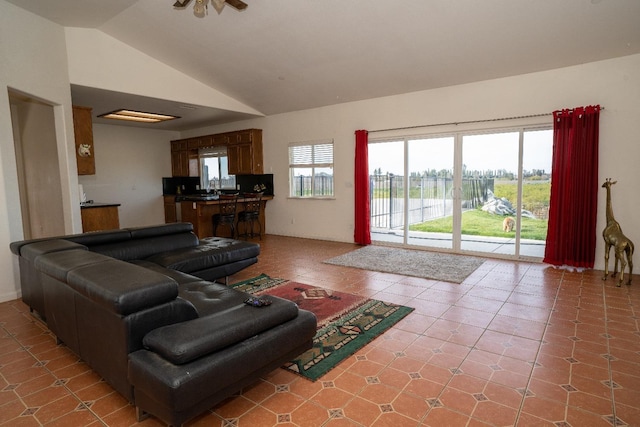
[[505, 247]]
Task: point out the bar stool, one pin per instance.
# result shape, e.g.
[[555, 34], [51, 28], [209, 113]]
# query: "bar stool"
[[250, 215], [227, 213]]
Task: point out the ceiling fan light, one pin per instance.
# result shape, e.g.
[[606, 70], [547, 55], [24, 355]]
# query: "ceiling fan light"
[[218, 5], [200, 8]]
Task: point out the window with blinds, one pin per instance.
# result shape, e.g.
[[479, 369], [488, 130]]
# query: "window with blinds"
[[311, 169]]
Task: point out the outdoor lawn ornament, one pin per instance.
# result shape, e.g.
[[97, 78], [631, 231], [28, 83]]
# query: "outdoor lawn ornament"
[[508, 224], [613, 236]]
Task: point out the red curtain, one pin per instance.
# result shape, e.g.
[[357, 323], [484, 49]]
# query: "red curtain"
[[362, 223], [571, 236]]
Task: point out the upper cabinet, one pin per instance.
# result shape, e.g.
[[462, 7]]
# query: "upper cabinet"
[[83, 130], [240, 159], [244, 150], [184, 160]]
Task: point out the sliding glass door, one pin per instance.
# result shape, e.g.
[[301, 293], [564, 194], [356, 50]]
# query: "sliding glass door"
[[431, 190], [409, 217], [505, 192], [386, 177], [490, 166], [537, 153], [482, 192]]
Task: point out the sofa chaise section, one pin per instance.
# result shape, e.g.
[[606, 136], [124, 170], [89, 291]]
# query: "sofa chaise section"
[[213, 258], [179, 375]]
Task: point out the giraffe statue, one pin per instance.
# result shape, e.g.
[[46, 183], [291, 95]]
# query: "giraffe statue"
[[613, 236]]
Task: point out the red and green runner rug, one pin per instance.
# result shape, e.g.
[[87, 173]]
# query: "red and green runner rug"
[[346, 322]]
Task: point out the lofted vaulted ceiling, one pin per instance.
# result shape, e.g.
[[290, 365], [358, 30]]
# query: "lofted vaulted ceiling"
[[279, 56]]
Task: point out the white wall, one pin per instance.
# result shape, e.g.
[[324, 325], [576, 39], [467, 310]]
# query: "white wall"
[[130, 164], [33, 61], [100, 61], [614, 84]]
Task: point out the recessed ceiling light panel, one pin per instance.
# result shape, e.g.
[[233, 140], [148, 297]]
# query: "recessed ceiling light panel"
[[137, 116]]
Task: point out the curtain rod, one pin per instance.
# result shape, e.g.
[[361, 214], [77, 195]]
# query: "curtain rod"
[[465, 122]]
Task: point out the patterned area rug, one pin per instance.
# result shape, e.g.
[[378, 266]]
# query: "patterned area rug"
[[346, 322], [417, 263]]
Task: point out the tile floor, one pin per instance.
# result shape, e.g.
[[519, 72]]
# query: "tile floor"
[[515, 344]]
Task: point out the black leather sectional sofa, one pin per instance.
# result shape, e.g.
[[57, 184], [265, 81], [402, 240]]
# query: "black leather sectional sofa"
[[140, 306]]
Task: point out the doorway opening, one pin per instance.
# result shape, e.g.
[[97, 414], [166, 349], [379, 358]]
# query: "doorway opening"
[[38, 169]]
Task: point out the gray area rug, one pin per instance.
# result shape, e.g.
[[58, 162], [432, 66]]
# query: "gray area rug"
[[417, 263]]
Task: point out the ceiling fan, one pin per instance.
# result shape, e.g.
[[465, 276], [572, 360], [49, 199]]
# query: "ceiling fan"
[[200, 6]]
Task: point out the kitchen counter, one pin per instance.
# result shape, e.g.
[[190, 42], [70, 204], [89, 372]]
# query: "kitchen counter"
[[99, 216], [198, 211], [98, 205], [196, 197]]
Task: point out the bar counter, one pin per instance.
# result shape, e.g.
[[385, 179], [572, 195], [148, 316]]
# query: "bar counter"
[[99, 216], [199, 211]]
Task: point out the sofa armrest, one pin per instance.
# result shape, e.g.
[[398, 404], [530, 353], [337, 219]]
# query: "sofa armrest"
[[187, 341]]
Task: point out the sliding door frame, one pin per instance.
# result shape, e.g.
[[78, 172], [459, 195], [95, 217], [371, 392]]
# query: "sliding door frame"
[[458, 133]]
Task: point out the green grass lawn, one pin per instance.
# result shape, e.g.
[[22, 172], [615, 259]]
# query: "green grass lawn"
[[479, 223]]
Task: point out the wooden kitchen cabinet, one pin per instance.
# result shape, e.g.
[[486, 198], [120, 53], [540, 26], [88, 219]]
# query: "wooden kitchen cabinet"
[[220, 139], [184, 160], [83, 130], [244, 151], [170, 213], [240, 159], [206, 141], [100, 216], [179, 163], [248, 136]]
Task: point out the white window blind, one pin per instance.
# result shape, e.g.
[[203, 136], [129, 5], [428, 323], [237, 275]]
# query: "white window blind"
[[311, 155], [311, 169]]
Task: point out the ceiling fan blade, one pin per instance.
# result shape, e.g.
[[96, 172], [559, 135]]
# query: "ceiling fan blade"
[[238, 4], [181, 3]]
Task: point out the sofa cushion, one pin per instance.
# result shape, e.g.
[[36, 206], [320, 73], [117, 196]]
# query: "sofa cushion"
[[58, 264], [32, 250], [184, 342], [210, 298], [178, 276], [211, 252], [122, 287]]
